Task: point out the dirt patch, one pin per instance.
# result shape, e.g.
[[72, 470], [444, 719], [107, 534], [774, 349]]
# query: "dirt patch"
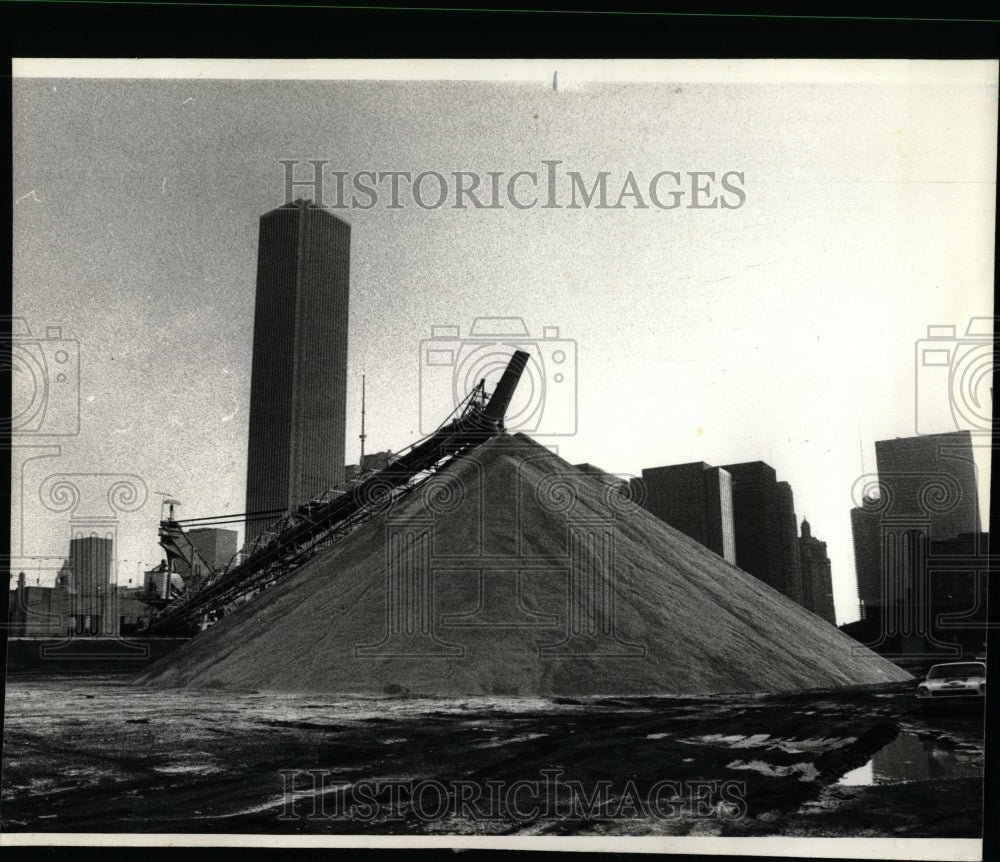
[[584, 768]]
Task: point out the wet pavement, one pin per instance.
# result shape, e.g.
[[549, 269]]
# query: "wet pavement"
[[101, 755]]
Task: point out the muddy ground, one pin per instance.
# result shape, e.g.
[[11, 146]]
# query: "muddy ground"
[[100, 755]]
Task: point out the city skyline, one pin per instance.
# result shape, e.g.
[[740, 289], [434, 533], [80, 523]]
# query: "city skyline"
[[698, 335]]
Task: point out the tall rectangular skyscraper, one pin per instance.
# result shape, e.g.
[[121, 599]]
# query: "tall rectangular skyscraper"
[[696, 499], [756, 522], [765, 526], [931, 484], [91, 560], [789, 531], [298, 388], [927, 493], [866, 529]]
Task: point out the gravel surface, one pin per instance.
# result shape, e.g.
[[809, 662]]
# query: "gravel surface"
[[100, 755], [514, 573]]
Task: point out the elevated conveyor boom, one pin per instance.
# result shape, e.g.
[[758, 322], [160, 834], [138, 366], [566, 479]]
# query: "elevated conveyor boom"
[[285, 551]]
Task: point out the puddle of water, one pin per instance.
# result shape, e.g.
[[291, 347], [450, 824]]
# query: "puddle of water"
[[910, 758], [863, 776]]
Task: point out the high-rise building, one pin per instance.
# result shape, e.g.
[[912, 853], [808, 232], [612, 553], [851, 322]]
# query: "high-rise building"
[[91, 592], [817, 579], [927, 498], [959, 576], [930, 482], [694, 498], [740, 511], [866, 530], [929, 493], [298, 386], [789, 532], [758, 522]]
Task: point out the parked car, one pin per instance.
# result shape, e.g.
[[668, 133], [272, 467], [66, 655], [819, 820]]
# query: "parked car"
[[955, 682]]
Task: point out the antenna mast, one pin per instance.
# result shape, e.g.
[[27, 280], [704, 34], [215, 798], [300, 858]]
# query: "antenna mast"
[[362, 435]]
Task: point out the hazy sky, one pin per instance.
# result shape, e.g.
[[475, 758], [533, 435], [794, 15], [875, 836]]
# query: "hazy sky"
[[782, 330]]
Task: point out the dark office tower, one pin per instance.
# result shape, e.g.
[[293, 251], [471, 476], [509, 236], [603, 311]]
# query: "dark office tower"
[[757, 520], [866, 529], [790, 557], [298, 386], [817, 579], [90, 559], [931, 484], [961, 580], [696, 499]]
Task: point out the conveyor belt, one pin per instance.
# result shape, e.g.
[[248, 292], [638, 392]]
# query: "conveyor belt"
[[321, 522]]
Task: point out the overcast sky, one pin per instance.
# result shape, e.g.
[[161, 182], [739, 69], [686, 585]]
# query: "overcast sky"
[[783, 329]]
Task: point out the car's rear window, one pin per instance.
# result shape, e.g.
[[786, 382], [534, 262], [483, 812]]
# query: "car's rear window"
[[944, 671]]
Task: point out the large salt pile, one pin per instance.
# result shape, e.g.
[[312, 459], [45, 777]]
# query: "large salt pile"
[[513, 572]]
